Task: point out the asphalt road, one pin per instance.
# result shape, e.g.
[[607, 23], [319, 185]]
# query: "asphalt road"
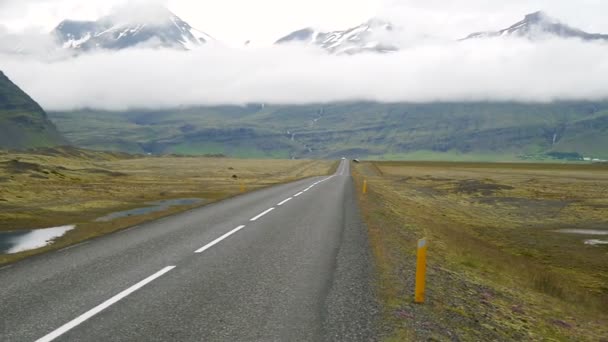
[[258, 267]]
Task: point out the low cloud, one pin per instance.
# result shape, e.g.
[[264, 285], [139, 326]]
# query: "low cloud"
[[140, 12], [28, 42], [476, 70]]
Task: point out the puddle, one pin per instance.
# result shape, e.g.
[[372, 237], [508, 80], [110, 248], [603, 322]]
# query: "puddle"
[[583, 231], [596, 242], [24, 240], [152, 207]]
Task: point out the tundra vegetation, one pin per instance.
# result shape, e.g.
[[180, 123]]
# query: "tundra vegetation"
[[58, 186], [498, 268]]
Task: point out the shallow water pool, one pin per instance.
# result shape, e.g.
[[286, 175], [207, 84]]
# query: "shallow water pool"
[[24, 240], [152, 207]]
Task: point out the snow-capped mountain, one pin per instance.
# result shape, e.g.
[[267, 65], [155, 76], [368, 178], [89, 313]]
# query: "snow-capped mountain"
[[115, 32], [539, 25], [371, 36]]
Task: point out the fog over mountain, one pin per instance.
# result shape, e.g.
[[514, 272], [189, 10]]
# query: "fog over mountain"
[[503, 69], [540, 25], [130, 73], [131, 26], [374, 35]]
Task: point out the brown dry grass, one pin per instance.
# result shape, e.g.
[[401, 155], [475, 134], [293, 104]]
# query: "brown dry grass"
[[495, 259], [59, 187]]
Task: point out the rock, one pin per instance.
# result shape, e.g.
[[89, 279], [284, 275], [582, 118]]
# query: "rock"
[[561, 324], [518, 309]]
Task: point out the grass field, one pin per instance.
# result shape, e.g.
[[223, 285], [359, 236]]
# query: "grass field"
[[498, 270], [60, 186]]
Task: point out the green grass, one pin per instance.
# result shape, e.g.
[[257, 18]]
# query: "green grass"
[[238, 151]]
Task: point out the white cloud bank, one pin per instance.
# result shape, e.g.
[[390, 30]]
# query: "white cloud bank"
[[477, 70]]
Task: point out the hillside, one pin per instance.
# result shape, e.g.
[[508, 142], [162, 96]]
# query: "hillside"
[[488, 131], [119, 31], [539, 25], [372, 36], [23, 123]]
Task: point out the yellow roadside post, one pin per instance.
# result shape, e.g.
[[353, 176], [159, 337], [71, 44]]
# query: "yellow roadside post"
[[242, 186], [365, 186], [420, 271]]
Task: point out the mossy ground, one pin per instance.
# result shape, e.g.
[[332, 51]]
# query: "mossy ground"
[[497, 268], [62, 186]]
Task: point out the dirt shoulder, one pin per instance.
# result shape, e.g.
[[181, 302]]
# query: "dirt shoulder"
[[497, 268]]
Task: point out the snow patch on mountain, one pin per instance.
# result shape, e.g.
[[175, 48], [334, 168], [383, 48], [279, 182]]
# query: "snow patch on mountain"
[[371, 36], [539, 25], [119, 31]]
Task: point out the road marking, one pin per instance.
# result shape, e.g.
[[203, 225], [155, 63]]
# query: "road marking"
[[285, 201], [262, 214], [5, 267], [94, 311], [72, 246], [298, 194], [126, 229], [212, 243]]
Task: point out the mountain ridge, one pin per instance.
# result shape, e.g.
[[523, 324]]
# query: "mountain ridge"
[[23, 123], [355, 129], [539, 25], [112, 32], [367, 37]]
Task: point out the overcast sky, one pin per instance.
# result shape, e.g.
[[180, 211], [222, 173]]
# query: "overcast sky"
[[263, 21], [424, 70]]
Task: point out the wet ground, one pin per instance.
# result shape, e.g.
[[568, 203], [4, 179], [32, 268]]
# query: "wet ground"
[[153, 207], [23, 240]]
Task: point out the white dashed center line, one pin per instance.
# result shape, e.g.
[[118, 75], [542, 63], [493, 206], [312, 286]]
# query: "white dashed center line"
[[80, 319], [94, 311], [285, 201], [262, 214], [212, 243]]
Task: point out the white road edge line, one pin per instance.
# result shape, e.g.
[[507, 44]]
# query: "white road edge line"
[[212, 243], [73, 246], [285, 201], [94, 311], [261, 214], [298, 194]]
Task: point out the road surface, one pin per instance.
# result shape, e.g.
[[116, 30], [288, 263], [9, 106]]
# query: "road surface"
[[286, 263]]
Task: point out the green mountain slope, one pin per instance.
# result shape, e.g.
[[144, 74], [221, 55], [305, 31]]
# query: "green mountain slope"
[[493, 131], [23, 123]]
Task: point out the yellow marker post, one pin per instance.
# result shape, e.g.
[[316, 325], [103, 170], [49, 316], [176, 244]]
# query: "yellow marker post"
[[243, 187], [365, 186], [420, 271]]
